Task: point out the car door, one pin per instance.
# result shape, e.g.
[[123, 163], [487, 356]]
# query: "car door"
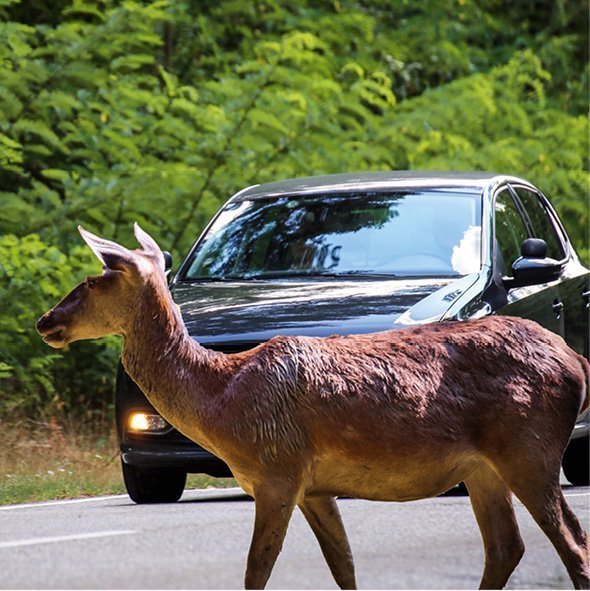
[[512, 226], [575, 294], [573, 291]]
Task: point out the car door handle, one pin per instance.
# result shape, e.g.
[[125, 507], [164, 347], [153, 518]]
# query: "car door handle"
[[586, 296], [557, 307]]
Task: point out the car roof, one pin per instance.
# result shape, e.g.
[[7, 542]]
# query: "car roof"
[[377, 180]]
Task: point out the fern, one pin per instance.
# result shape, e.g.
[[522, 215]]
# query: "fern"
[[26, 127], [11, 156]]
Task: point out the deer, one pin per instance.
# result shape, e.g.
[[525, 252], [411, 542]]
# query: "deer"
[[397, 415]]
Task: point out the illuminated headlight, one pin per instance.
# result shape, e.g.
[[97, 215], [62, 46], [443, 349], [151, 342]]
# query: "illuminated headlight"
[[141, 421]]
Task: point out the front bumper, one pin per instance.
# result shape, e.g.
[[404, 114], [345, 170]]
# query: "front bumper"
[[192, 459]]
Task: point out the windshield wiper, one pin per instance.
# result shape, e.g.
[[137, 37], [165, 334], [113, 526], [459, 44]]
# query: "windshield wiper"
[[294, 275], [312, 274], [211, 279], [356, 274]]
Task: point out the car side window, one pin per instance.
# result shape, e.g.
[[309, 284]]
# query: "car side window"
[[510, 232], [540, 222]]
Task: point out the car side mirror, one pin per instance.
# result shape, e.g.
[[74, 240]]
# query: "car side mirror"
[[167, 262], [533, 266]]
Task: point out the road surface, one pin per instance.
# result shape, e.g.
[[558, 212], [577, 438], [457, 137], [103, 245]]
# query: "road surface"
[[202, 542]]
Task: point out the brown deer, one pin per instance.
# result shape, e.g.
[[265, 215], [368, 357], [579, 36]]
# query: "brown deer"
[[395, 416]]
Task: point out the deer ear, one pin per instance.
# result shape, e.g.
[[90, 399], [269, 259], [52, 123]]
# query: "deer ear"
[[148, 244], [112, 255]]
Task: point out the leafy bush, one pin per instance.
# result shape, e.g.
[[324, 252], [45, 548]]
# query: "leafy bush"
[[33, 277]]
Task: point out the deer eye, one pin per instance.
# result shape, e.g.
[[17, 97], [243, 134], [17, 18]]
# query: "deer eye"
[[91, 282]]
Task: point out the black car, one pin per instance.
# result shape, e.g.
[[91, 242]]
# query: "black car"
[[360, 253]]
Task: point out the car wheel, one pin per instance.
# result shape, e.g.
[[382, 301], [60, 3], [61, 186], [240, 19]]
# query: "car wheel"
[[153, 485], [576, 461]]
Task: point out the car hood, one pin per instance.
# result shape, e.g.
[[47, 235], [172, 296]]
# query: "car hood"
[[227, 313]]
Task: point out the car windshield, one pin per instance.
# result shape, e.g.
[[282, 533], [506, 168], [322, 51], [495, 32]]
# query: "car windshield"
[[410, 233]]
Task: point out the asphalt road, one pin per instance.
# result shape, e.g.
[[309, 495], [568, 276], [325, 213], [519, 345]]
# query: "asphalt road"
[[202, 542]]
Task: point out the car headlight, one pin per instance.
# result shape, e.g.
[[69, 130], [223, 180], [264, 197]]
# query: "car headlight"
[[146, 423]]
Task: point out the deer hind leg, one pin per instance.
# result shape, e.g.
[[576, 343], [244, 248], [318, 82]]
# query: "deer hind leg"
[[324, 518], [274, 506], [537, 486], [492, 504]]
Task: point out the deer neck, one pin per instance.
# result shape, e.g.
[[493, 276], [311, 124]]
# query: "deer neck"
[[180, 378]]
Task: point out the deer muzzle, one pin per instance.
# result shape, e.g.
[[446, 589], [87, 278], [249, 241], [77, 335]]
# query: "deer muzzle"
[[51, 331]]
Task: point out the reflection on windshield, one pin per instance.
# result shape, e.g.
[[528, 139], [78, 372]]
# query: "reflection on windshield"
[[418, 233], [466, 255]]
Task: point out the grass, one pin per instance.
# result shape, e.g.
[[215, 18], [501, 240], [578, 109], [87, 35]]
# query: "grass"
[[47, 460]]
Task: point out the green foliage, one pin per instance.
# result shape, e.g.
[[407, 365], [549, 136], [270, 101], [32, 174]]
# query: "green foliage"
[[499, 121], [157, 111], [33, 277]]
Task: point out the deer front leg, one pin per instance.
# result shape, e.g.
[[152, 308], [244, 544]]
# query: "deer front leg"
[[274, 507], [323, 516]]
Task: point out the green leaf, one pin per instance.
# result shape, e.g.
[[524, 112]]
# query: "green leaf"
[[259, 117], [132, 62], [56, 174]]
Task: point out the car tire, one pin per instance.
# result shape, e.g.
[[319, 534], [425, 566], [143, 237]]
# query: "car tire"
[[153, 485], [576, 460]]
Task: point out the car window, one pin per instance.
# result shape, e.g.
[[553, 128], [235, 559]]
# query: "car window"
[[418, 232], [510, 232], [540, 223]]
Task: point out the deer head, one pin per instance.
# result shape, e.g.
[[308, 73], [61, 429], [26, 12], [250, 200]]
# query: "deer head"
[[103, 305]]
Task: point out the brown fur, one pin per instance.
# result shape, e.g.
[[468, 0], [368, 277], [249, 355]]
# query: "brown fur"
[[397, 415]]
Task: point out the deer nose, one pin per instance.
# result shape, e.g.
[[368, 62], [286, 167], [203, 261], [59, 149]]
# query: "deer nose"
[[44, 322]]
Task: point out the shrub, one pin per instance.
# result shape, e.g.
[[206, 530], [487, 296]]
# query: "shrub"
[[35, 379]]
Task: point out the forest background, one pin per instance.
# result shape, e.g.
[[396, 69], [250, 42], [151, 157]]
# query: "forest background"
[[157, 112]]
